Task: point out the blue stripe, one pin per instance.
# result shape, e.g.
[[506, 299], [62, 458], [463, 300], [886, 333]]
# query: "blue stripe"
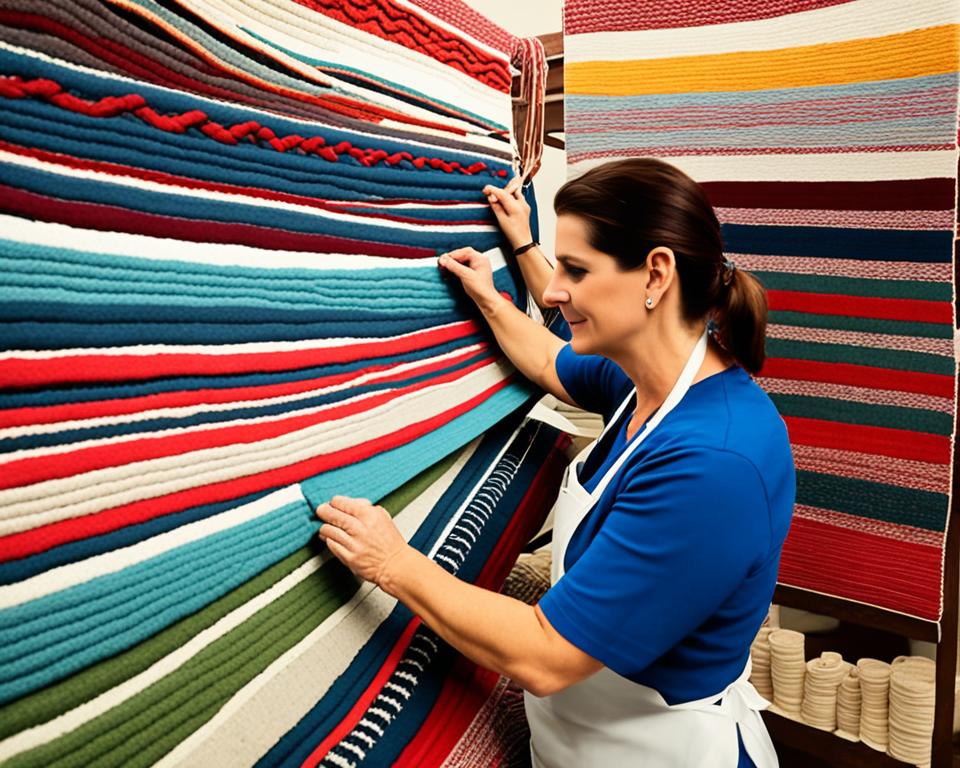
[[183, 206], [95, 86], [34, 124], [839, 243]]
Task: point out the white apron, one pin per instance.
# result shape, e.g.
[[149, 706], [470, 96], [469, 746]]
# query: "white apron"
[[610, 721]]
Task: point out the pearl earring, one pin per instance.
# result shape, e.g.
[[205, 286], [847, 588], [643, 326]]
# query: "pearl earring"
[[649, 303]]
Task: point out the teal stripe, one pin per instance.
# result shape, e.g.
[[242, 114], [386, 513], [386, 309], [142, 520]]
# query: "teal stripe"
[[894, 417], [853, 286], [918, 362], [876, 501], [862, 324]]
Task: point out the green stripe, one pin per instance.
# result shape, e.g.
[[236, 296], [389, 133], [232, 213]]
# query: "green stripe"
[[44, 705], [876, 501], [151, 723], [855, 286], [894, 417], [895, 359], [862, 324]]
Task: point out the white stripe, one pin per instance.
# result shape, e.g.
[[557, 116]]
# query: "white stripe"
[[839, 23], [315, 35], [840, 166], [185, 411], [72, 574], [474, 143], [238, 734], [65, 498], [135, 184], [32, 453], [179, 251]]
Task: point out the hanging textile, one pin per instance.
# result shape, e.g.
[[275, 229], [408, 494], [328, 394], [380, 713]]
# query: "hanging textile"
[[825, 134], [219, 223]]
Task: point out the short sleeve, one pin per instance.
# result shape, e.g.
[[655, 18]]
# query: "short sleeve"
[[595, 383], [679, 539]]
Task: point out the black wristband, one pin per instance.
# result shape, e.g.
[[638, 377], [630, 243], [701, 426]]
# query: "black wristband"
[[525, 248]]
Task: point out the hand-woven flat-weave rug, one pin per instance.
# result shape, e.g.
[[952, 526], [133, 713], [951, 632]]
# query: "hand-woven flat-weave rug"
[[219, 222], [825, 132]]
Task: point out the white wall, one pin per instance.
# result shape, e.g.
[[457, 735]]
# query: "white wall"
[[526, 18]]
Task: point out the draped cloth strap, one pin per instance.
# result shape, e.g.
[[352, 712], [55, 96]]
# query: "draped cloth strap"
[[530, 59]]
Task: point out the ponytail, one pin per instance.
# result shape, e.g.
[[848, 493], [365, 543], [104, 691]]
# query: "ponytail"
[[741, 319]]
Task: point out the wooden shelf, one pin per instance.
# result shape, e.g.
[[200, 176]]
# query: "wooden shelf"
[[856, 613], [835, 751]]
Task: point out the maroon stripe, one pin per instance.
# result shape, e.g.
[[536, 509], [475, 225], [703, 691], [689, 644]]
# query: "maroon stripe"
[[898, 195], [112, 218]]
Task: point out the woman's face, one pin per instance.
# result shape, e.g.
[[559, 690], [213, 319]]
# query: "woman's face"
[[602, 304]]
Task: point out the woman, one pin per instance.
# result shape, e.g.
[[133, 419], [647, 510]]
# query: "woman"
[[668, 529]]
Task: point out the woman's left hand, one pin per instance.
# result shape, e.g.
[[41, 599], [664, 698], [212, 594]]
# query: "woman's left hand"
[[361, 535]]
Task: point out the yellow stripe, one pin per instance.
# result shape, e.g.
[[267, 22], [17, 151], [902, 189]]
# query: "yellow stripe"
[[921, 52]]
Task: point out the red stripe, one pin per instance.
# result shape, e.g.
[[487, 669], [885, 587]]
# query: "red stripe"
[[25, 543], [114, 454], [465, 691], [113, 218], [914, 310], [69, 369], [159, 177], [366, 698], [51, 414], [859, 376], [864, 567], [883, 441]]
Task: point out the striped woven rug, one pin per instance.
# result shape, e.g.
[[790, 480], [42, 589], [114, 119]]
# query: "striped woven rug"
[[219, 224], [825, 133]]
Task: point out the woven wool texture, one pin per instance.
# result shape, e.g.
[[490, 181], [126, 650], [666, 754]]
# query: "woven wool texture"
[[825, 134], [219, 224]]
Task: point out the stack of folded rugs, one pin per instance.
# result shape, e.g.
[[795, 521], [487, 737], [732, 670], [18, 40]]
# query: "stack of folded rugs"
[[887, 706], [219, 224]]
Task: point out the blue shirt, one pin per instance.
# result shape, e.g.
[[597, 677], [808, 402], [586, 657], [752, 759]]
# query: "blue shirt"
[[670, 575]]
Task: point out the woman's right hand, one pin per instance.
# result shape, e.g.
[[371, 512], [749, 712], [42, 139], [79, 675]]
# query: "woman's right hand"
[[475, 273]]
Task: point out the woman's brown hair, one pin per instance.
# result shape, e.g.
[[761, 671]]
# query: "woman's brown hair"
[[632, 206]]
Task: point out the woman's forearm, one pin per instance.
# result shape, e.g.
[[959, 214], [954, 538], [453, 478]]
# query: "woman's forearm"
[[529, 346], [493, 630]]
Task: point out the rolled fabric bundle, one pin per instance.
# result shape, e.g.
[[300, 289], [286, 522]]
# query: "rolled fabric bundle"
[[912, 696], [760, 663], [823, 677], [874, 708], [787, 670], [848, 706]]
